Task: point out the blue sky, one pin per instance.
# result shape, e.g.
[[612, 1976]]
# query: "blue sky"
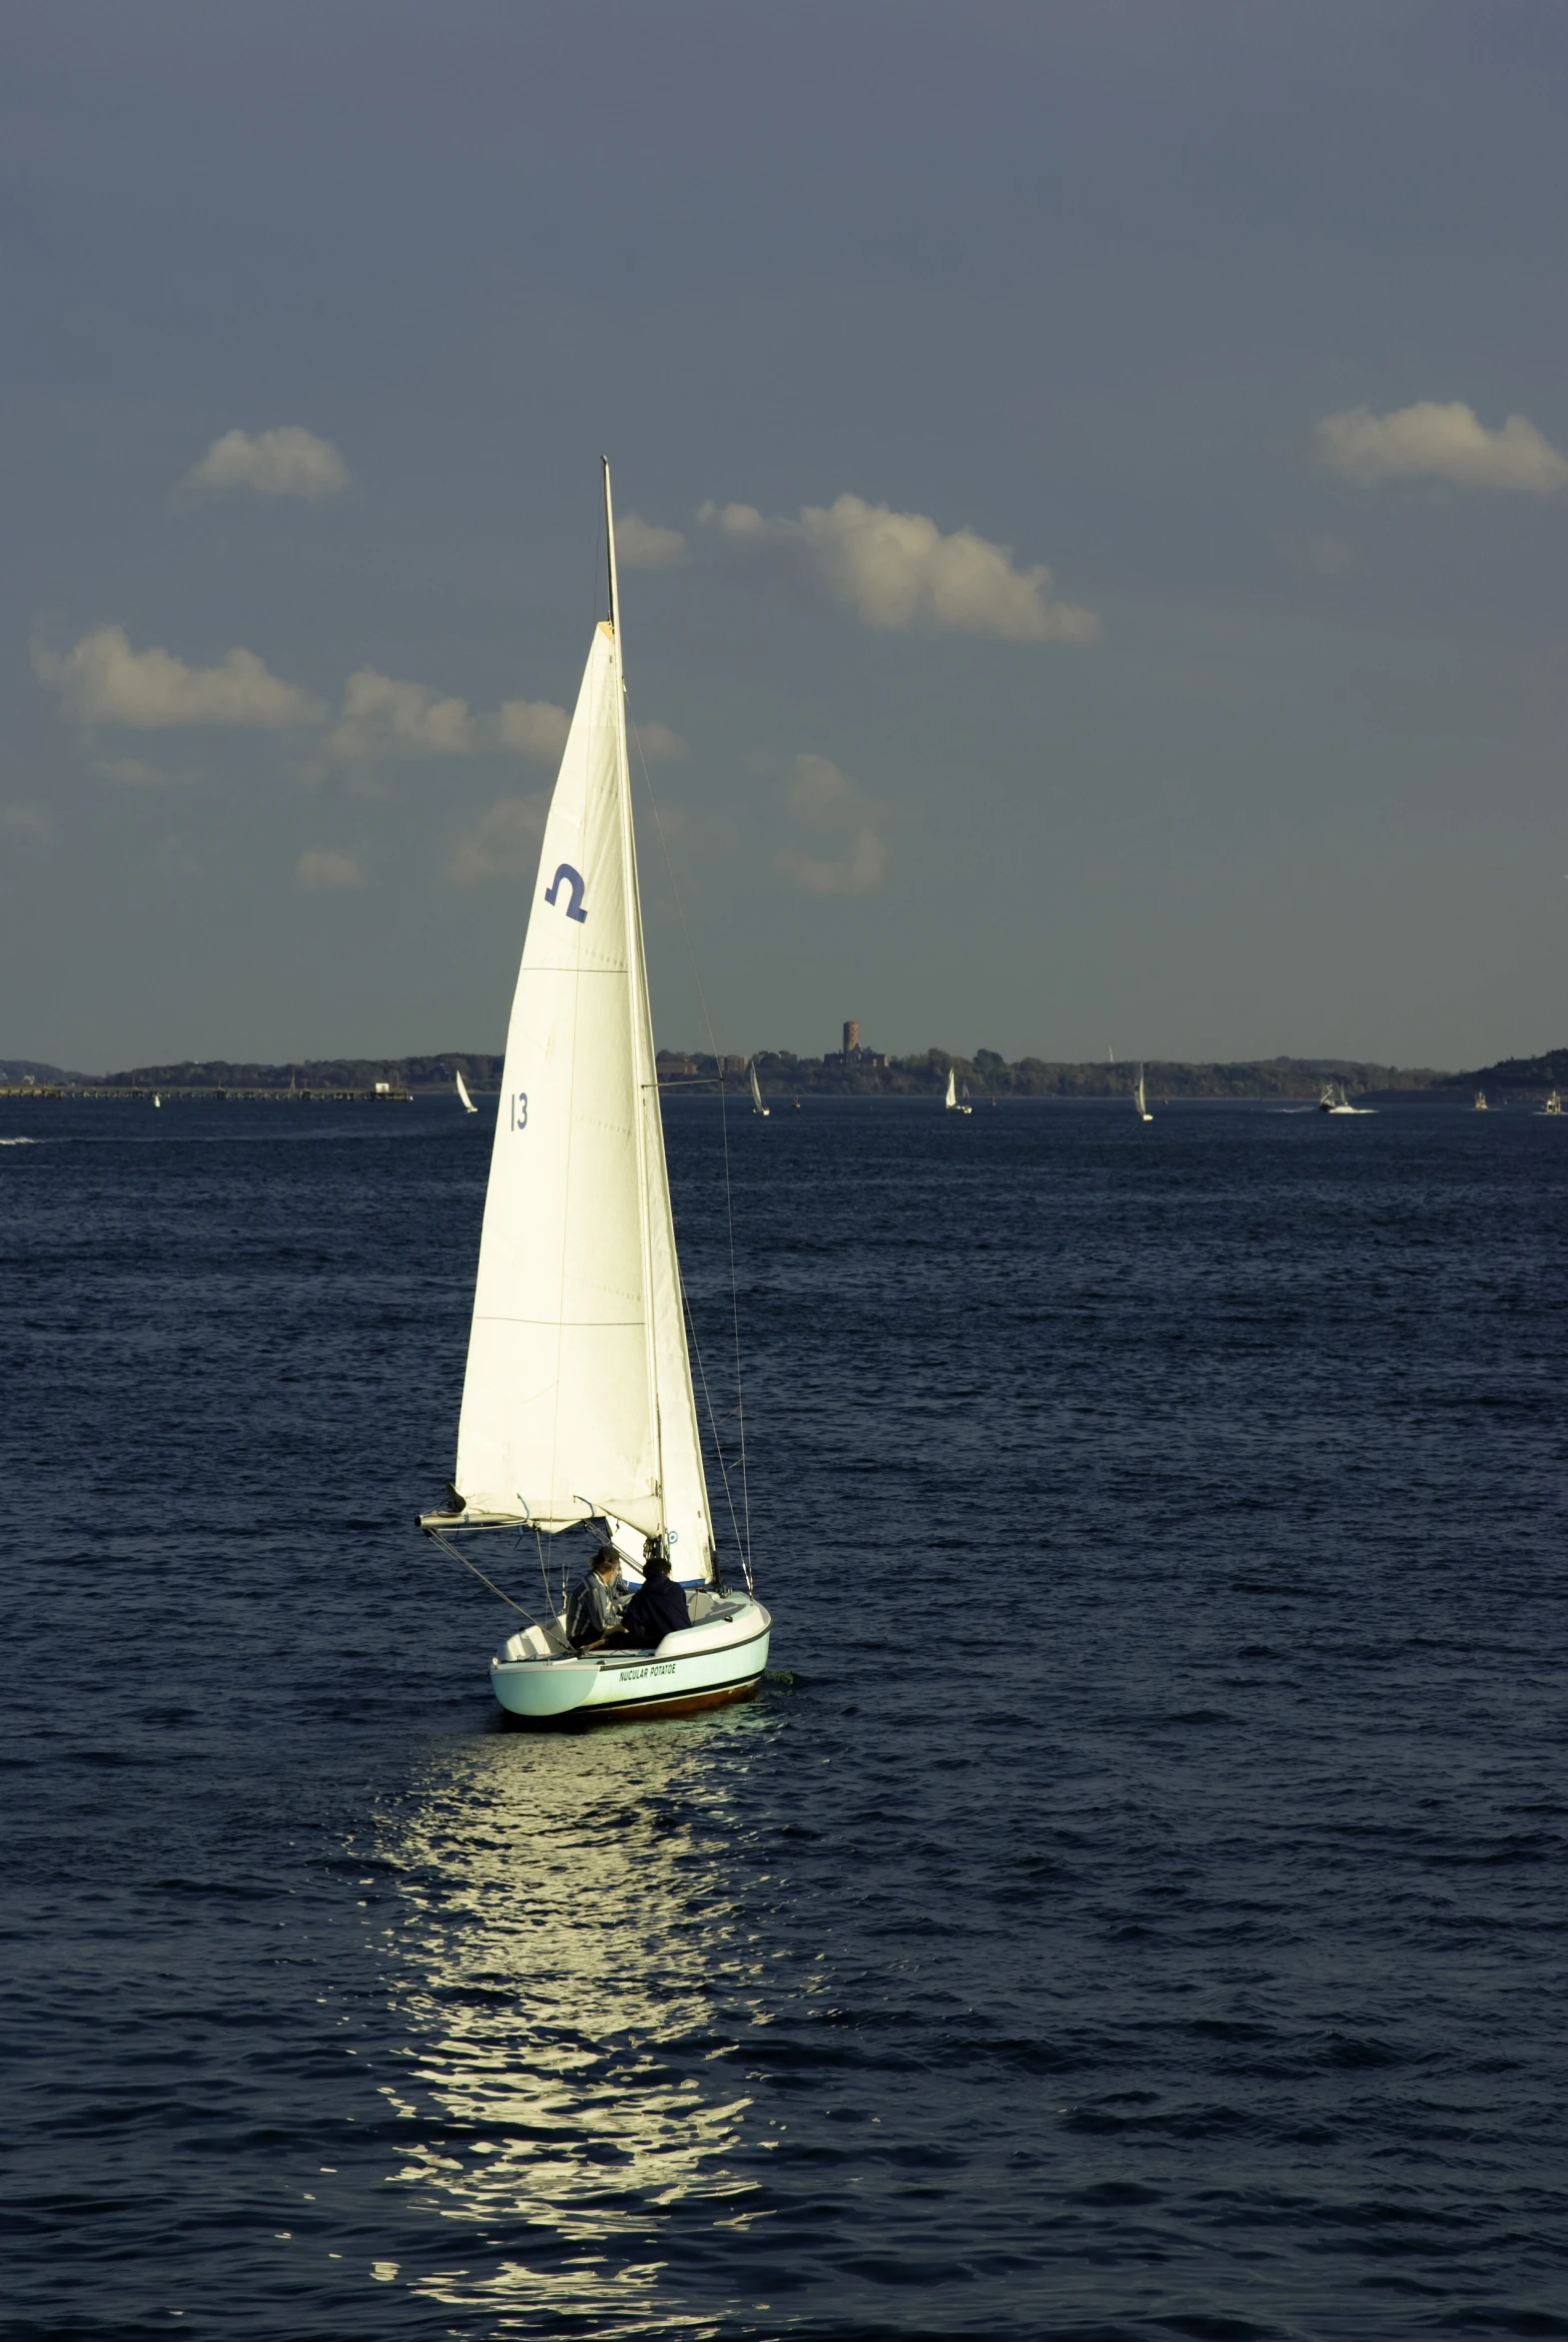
[[1104, 499]]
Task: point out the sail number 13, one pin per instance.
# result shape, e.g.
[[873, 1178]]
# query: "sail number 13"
[[519, 1110]]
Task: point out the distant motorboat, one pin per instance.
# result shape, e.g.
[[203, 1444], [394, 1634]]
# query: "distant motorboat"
[[1554, 1104], [954, 1104], [1480, 1103], [469, 1105], [757, 1105], [1140, 1100], [1334, 1102]]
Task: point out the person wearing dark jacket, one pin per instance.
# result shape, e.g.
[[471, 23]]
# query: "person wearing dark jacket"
[[658, 1608]]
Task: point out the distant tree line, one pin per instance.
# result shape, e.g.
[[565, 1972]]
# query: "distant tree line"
[[781, 1072], [990, 1075], [479, 1069]]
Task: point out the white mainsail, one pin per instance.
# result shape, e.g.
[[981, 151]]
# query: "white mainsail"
[[951, 1096], [757, 1105], [577, 1397], [463, 1092]]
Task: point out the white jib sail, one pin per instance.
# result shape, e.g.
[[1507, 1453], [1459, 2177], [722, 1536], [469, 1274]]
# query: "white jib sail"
[[577, 1397], [463, 1092]]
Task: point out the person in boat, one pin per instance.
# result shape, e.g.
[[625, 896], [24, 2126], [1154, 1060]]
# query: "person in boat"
[[658, 1606], [596, 1603]]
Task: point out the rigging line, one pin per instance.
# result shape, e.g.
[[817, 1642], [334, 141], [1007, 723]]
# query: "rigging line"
[[453, 1554], [729, 1203], [734, 1303], [718, 1452]]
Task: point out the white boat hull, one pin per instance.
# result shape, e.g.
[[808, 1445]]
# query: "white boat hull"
[[703, 1666]]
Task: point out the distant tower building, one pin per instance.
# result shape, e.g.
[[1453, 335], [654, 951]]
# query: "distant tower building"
[[851, 1039]]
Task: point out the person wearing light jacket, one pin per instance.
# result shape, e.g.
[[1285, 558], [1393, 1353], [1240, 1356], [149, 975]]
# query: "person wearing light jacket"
[[596, 1603]]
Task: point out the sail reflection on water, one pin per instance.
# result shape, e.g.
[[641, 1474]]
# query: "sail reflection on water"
[[568, 1940]]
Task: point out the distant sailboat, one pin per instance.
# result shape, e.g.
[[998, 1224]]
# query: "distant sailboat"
[[577, 1400], [757, 1105], [157, 1101], [1554, 1104], [1480, 1102], [462, 1092], [1140, 1100], [953, 1101]]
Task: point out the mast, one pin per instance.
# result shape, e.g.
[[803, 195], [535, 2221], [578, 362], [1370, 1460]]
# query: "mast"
[[643, 1075], [609, 541]]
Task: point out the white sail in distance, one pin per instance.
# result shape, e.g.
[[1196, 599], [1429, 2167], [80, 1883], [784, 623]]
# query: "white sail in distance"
[[463, 1092], [577, 1397], [757, 1105]]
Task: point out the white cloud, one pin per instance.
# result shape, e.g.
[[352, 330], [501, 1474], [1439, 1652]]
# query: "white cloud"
[[532, 727], [286, 462], [897, 570], [822, 798], [104, 681], [502, 843], [28, 821], [640, 544], [383, 716], [134, 772], [321, 869], [656, 742], [1433, 442]]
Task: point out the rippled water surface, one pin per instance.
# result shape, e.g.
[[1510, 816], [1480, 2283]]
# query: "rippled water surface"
[[1134, 1906]]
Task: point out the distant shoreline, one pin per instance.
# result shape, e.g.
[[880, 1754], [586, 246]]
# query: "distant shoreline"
[[861, 1074]]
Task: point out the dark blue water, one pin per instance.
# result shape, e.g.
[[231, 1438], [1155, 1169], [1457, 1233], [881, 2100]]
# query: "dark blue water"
[[1134, 1908]]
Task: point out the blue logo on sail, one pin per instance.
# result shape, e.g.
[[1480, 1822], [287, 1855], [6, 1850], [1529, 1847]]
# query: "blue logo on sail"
[[573, 878]]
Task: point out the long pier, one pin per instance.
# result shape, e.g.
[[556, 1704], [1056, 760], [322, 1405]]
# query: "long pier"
[[383, 1096]]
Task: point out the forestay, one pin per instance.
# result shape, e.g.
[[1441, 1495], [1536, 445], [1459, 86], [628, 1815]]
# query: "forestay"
[[577, 1397]]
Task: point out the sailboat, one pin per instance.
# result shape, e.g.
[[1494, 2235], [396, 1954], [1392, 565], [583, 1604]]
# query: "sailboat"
[[757, 1105], [577, 1402], [1139, 1100], [157, 1101], [1480, 1103], [462, 1092], [1554, 1104], [954, 1104]]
